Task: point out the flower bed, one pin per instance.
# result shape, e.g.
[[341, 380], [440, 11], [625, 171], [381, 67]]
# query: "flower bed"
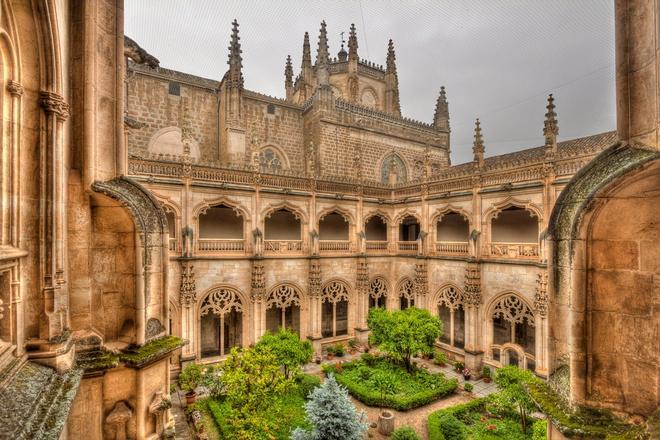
[[480, 419], [408, 390]]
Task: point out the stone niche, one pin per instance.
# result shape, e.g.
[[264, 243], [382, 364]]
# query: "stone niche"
[[623, 295]]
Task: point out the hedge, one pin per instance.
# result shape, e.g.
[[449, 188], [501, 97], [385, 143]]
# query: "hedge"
[[400, 403], [434, 420]]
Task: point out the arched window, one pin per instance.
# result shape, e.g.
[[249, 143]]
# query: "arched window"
[[514, 233], [220, 230], [269, 160], [172, 228], [513, 332], [221, 322], [378, 293], [452, 314], [333, 226], [452, 234], [409, 229], [282, 232], [406, 294], [376, 228], [334, 316], [283, 309], [393, 170]]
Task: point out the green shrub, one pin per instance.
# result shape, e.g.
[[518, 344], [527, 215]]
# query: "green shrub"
[[485, 372], [369, 359], [439, 357], [306, 383], [353, 343], [330, 349], [339, 349], [364, 372], [405, 433], [436, 418], [191, 377], [540, 430], [468, 387], [458, 366], [451, 427]]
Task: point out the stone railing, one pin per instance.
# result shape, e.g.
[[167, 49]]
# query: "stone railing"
[[451, 247], [220, 245], [334, 246], [407, 247], [283, 246], [377, 246], [524, 251]]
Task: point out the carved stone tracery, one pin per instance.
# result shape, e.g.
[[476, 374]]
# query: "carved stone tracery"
[[450, 297], [334, 292], [472, 295], [511, 308], [258, 281], [407, 289], [421, 279], [378, 288], [188, 290], [221, 301], [541, 295], [314, 277], [283, 296]]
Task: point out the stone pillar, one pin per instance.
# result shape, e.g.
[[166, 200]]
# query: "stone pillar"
[[362, 293], [258, 295], [541, 325], [637, 77], [472, 302], [314, 289], [188, 301], [421, 283]]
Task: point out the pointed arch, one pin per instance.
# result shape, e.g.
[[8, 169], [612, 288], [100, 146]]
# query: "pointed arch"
[[348, 216], [400, 164], [236, 206], [387, 219], [449, 294], [448, 209], [278, 153], [512, 202], [222, 321], [408, 212], [297, 211]]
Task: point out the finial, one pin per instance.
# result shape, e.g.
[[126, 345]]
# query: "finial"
[[288, 75], [235, 60], [441, 115], [478, 147], [322, 56], [342, 55], [307, 56], [391, 57], [550, 125], [352, 44]]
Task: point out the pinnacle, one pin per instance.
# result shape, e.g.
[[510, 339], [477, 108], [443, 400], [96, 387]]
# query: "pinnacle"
[[322, 56], [550, 126]]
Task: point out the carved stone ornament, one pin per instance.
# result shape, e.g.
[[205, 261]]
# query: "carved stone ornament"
[[378, 288], [513, 309], [450, 297], [53, 103], [154, 328], [314, 277], [335, 292], [158, 409], [258, 281], [283, 296], [541, 295], [421, 279], [407, 289], [14, 88], [116, 422], [221, 301], [472, 295], [188, 290]]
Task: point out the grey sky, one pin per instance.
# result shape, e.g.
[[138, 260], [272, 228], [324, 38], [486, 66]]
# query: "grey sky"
[[498, 59]]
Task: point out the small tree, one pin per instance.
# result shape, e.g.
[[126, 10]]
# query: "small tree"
[[190, 378], [404, 333], [332, 415], [511, 381], [251, 379], [288, 349]]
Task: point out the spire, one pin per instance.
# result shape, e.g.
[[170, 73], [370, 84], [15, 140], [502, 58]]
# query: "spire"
[[441, 116], [392, 104], [322, 55], [352, 44], [322, 58], [478, 147], [288, 78], [550, 126], [307, 55], [235, 60]]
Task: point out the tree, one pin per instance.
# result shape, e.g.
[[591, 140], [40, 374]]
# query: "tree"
[[288, 349], [252, 379], [332, 414], [511, 381], [404, 333]]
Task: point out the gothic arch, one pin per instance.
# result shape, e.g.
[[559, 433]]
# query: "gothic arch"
[[205, 205], [295, 210], [378, 213], [402, 167], [448, 209], [335, 289], [370, 91], [284, 294], [449, 294], [379, 286], [168, 141], [512, 306], [511, 202], [405, 288], [168, 204], [220, 299], [407, 213], [282, 156], [350, 219]]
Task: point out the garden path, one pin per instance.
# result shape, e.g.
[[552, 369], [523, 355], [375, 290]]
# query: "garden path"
[[415, 418], [182, 429]]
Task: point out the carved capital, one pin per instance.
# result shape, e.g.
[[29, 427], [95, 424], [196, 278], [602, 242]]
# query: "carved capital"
[[53, 103], [14, 88]]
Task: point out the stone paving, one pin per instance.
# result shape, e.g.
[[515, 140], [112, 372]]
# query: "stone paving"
[[182, 429]]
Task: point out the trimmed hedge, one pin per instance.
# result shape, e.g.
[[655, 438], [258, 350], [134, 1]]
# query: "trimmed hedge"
[[434, 422], [372, 397]]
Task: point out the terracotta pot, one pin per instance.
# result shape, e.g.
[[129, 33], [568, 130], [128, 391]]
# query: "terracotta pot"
[[487, 379], [330, 356], [191, 397], [466, 377], [386, 422]]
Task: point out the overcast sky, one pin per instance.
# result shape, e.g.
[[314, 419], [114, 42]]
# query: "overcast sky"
[[498, 59]]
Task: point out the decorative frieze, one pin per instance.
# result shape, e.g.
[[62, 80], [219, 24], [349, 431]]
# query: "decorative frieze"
[[188, 290], [421, 284], [314, 277], [362, 279], [473, 284], [541, 295], [258, 281], [53, 103]]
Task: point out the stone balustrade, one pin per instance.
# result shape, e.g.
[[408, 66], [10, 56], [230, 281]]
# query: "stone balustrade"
[[407, 247], [523, 251], [451, 247], [220, 245], [283, 246], [334, 246]]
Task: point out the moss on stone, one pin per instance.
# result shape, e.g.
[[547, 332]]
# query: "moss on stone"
[[137, 356], [581, 422], [97, 360]]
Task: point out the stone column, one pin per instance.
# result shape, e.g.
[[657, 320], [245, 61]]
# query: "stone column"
[[188, 301], [258, 295], [421, 283], [314, 289], [472, 302], [541, 325], [362, 293]]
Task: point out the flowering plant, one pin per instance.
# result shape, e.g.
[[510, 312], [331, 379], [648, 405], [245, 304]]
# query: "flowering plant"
[[466, 372]]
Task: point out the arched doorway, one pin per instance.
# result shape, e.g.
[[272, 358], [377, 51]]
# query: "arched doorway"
[[221, 322]]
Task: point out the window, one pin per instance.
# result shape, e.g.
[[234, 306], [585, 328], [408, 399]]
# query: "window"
[[393, 170], [378, 293], [283, 309], [333, 226], [221, 321], [269, 160], [220, 222], [452, 314], [175, 89], [406, 294], [453, 227], [513, 328], [282, 225], [334, 313], [409, 229], [376, 229]]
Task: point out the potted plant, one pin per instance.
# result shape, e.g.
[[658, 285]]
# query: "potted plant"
[[468, 387], [440, 358], [466, 373], [330, 352], [352, 345], [458, 366], [189, 379], [339, 350], [317, 360], [486, 374]]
